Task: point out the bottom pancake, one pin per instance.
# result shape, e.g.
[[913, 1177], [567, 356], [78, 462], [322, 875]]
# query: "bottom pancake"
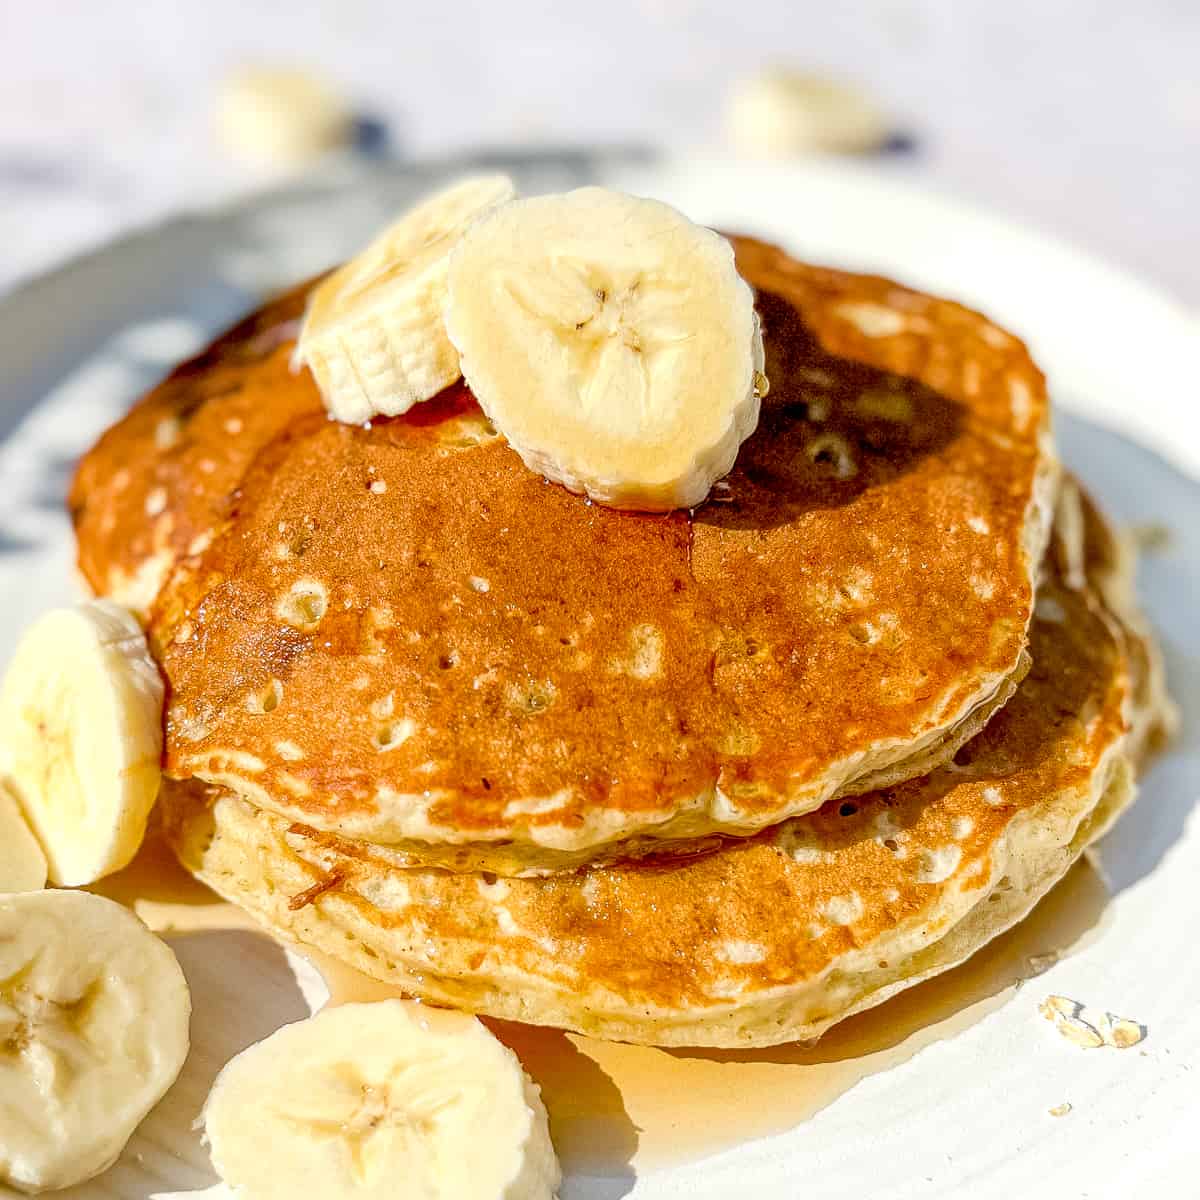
[[765, 940]]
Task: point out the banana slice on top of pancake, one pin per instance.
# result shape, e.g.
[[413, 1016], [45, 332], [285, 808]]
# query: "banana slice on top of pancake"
[[612, 342], [81, 731], [373, 335], [363, 1099]]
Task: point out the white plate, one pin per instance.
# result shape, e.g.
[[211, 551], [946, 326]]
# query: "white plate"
[[966, 1115]]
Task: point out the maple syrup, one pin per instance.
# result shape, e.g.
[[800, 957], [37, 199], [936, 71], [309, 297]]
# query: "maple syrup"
[[612, 1104], [618, 1109]]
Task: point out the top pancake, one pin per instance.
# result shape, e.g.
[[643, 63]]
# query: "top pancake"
[[400, 634]]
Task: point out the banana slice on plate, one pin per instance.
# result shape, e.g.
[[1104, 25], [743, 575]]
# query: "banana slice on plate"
[[611, 341], [81, 737], [22, 863], [93, 1031], [373, 334], [374, 1100]]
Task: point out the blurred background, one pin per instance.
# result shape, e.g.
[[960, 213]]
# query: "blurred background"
[[1081, 117]]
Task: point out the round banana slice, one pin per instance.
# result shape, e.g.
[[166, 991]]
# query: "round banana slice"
[[22, 863], [94, 1017], [780, 113], [81, 737], [373, 334], [612, 342], [374, 1100], [281, 115]]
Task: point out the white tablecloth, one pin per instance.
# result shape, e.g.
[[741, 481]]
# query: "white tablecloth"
[[1079, 116]]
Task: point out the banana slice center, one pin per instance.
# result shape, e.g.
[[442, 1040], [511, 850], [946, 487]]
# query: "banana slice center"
[[55, 770], [51, 1033], [611, 334], [367, 1116]]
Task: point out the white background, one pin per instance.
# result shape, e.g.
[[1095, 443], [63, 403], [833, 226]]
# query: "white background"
[[1080, 117]]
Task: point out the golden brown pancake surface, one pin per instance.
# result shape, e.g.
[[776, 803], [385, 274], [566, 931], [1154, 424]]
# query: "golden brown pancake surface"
[[401, 634], [768, 939]]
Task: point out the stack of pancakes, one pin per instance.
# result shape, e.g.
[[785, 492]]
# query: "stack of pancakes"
[[719, 777]]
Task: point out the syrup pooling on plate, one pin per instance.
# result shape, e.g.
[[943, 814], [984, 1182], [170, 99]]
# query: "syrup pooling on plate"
[[615, 1107]]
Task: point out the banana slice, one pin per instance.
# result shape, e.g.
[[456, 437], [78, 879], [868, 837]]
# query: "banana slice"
[[781, 113], [22, 863], [281, 115], [370, 1100], [81, 737], [611, 341], [93, 1030], [373, 335]]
